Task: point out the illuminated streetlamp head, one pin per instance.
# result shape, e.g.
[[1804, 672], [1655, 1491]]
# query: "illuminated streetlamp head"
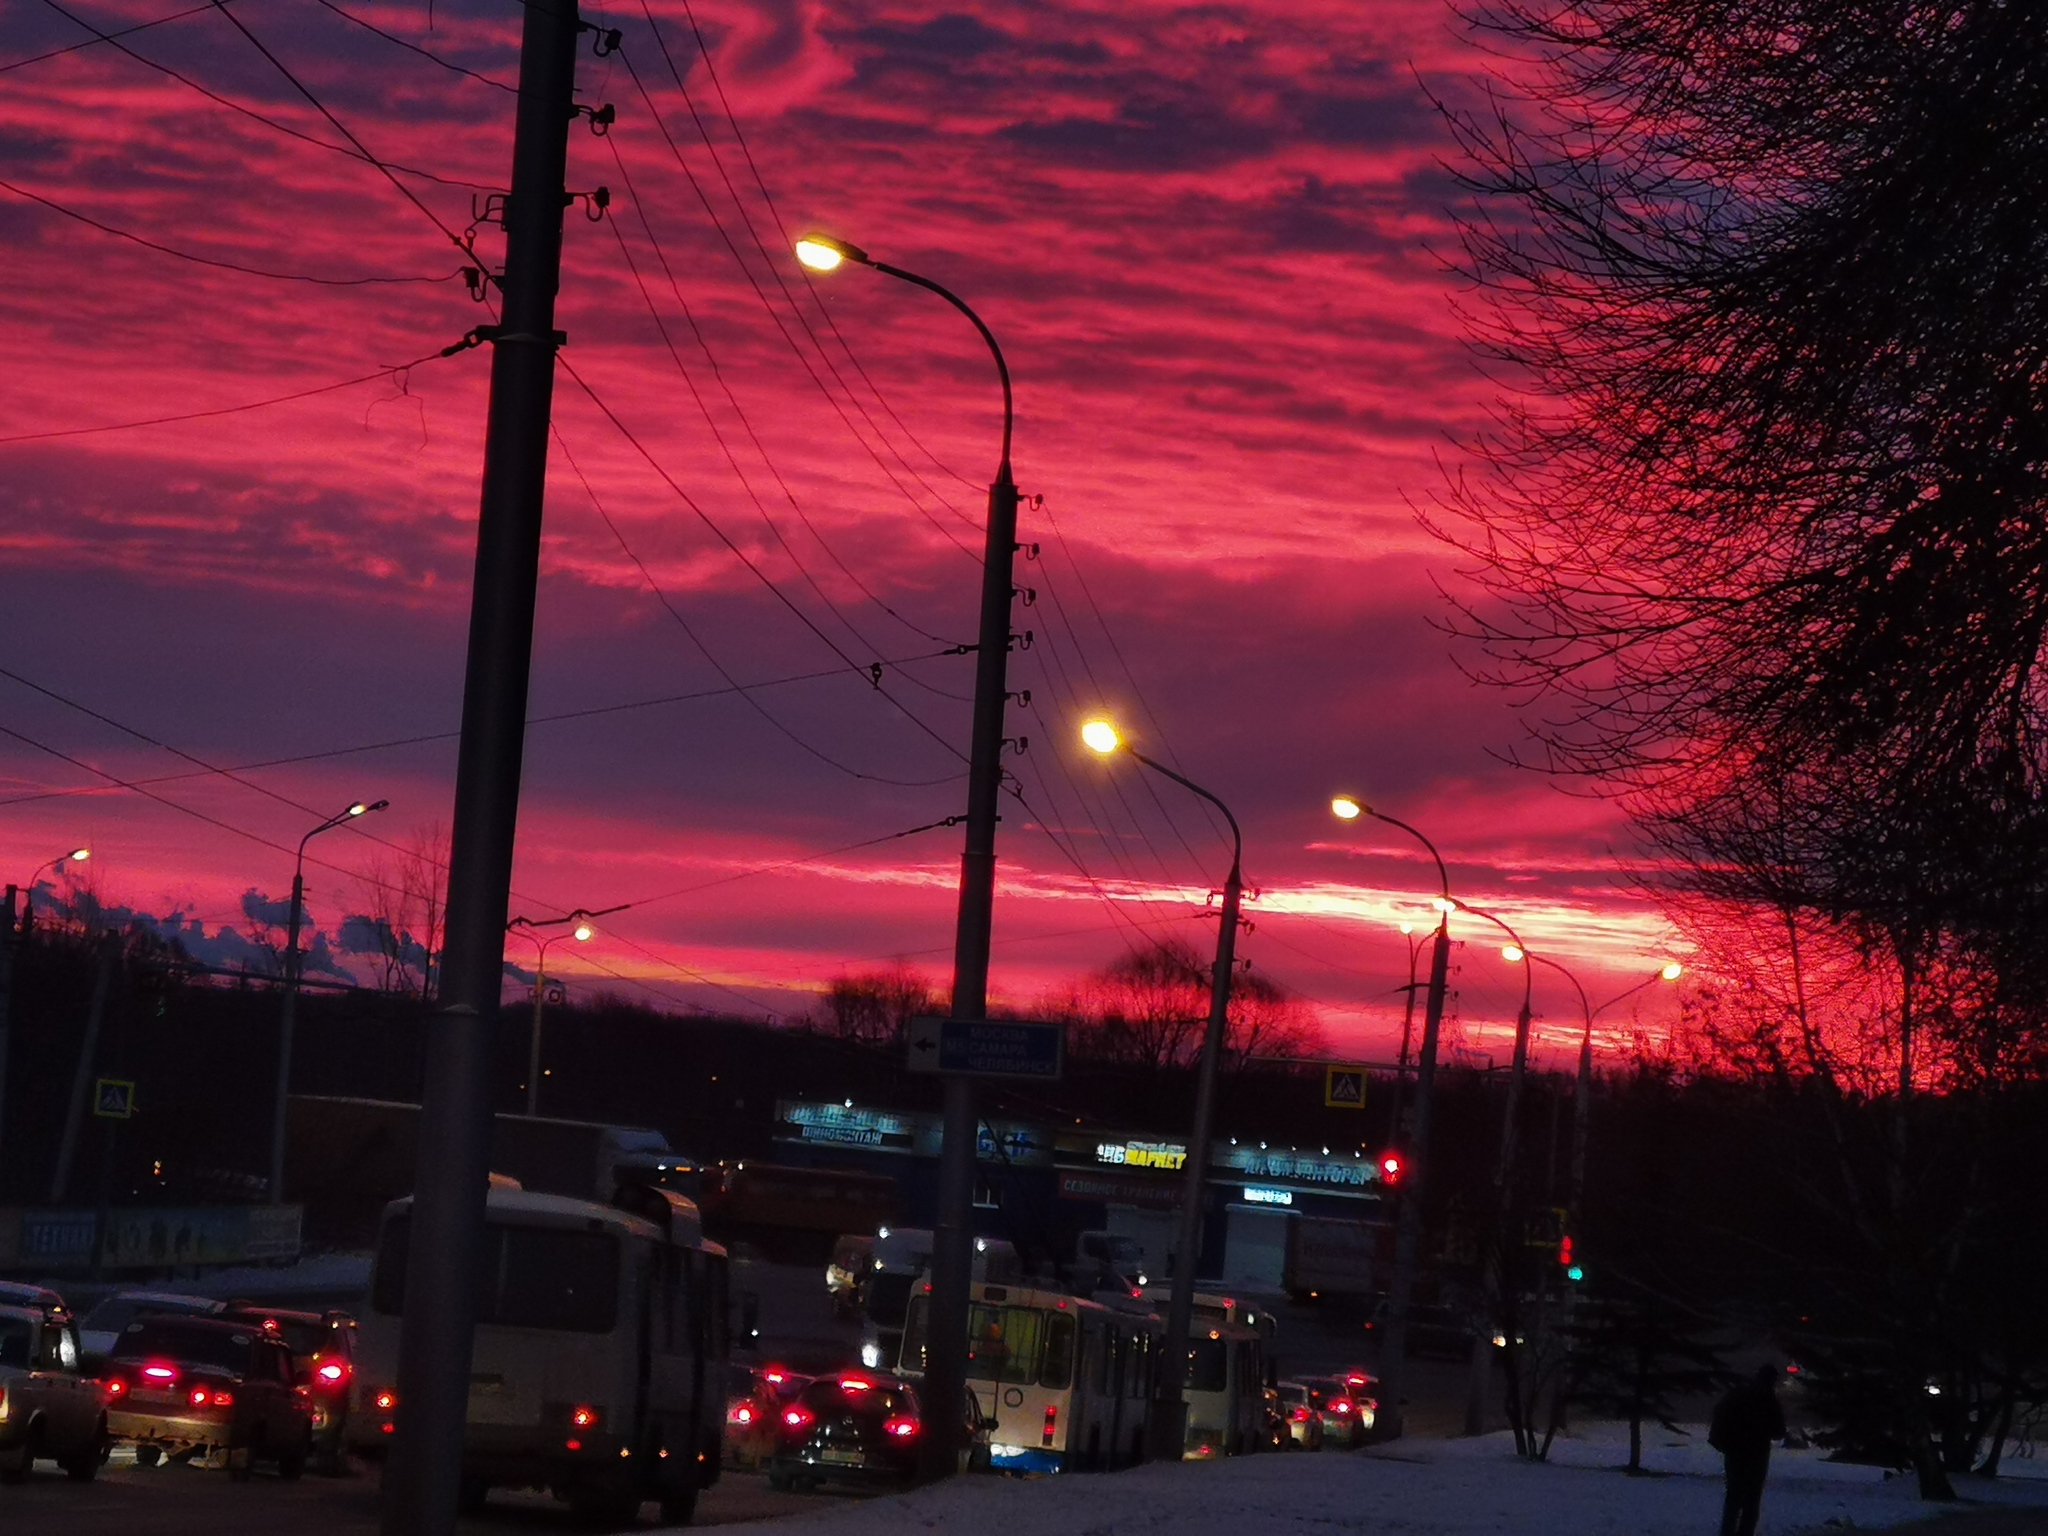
[[1672, 971], [79, 855], [357, 809], [1347, 807], [1443, 904], [822, 253], [583, 931], [1512, 952], [1407, 927], [1101, 736]]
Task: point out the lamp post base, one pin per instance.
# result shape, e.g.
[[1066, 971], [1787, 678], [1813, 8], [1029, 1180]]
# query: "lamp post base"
[[1166, 1431]]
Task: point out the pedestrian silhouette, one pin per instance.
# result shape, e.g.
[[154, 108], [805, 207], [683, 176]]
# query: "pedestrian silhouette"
[[1746, 1424]]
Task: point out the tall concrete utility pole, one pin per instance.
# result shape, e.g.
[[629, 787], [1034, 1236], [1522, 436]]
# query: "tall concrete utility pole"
[[422, 1481]]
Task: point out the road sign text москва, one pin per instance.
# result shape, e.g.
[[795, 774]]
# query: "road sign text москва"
[[987, 1048]]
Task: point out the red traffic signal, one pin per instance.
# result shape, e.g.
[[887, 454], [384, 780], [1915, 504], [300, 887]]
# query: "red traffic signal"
[[1564, 1251], [1392, 1166]]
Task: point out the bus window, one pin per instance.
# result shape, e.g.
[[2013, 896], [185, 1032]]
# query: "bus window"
[[554, 1278], [1208, 1365], [1056, 1371], [1003, 1344]]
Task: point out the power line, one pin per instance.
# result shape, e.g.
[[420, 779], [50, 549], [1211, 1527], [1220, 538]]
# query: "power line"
[[389, 370], [232, 105], [773, 314], [740, 555], [94, 42], [213, 261], [434, 736], [406, 43], [769, 869], [691, 629]]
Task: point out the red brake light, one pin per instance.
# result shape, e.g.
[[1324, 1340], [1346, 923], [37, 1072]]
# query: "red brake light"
[[1298, 1416], [115, 1386], [744, 1414], [855, 1384], [386, 1401], [1052, 1420], [202, 1398], [1340, 1405], [797, 1418], [332, 1371], [583, 1416], [159, 1373], [900, 1428]]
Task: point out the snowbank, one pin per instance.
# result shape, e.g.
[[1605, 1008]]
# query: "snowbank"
[[1418, 1488]]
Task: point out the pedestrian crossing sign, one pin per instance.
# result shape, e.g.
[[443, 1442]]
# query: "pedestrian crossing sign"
[[1344, 1087], [113, 1099]]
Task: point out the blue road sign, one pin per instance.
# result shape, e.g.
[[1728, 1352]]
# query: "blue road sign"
[[988, 1048]]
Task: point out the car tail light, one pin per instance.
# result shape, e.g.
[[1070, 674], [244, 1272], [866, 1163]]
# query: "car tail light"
[[899, 1428], [386, 1401], [796, 1420], [742, 1413], [203, 1397], [4, 1410], [583, 1416], [160, 1372], [331, 1373], [1052, 1422], [1340, 1405], [1298, 1416], [114, 1387]]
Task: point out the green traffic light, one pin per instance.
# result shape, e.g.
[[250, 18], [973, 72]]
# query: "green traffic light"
[[1575, 1273]]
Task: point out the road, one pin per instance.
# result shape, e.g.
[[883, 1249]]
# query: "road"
[[166, 1500]]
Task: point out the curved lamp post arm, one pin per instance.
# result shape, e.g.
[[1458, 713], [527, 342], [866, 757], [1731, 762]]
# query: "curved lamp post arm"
[[1585, 1007], [1528, 974], [994, 350], [1236, 836], [1442, 875]]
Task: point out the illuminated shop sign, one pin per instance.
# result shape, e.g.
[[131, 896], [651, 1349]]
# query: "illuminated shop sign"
[[1168, 1155], [1256, 1196], [1299, 1167]]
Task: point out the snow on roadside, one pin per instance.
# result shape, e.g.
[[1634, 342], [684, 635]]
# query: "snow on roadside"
[[1417, 1488]]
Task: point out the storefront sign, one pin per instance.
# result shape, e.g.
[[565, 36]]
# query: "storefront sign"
[[1300, 1167], [1254, 1195], [1157, 1194], [1169, 1156], [846, 1125]]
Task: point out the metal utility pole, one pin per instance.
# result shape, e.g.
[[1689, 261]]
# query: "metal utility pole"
[[288, 1012], [422, 1478], [81, 1081], [1408, 1225], [7, 942], [1167, 1424], [953, 1232]]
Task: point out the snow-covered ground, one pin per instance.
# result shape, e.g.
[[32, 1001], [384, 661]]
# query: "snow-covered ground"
[[1418, 1488]]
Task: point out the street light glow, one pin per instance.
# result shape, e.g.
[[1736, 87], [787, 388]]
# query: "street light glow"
[[1512, 952], [357, 809], [1101, 736], [1347, 808], [822, 253], [79, 855], [1407, 927], [1672, 971], [1443, 904], [583, 931]]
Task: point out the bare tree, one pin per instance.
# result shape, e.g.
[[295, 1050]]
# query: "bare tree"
[[875, 1007]]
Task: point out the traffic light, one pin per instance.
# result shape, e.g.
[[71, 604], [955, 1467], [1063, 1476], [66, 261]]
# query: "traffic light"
[[1391, 1168], [1572, 1270]]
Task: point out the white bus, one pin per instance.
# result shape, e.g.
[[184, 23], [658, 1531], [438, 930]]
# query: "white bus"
[[599, 1365], [1067, 1382], [1225, 1390]]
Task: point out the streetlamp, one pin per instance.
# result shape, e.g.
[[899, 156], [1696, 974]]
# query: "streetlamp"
[[7, 942], [1408, 1225], [288, 1014], [28, 891], [1167, 1425], [1582, 1095], [581, 933], [952, 1236]]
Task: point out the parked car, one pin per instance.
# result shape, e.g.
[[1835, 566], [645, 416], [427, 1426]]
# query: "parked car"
[[201, 1387], [863, 1429], [49, 1409], [100, 1327], [1364, 1389], [1304, 1422], [1333, 1404], [323, 1346], [13, 1293], [755, 1398]]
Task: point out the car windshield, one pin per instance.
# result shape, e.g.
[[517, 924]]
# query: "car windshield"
[[225, 1349], [868, 1399], [888, 1296], [17, 1341], [555, 1278], [117, 1312]]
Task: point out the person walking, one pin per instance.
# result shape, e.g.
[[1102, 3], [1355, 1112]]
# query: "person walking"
[[1747, 1422]]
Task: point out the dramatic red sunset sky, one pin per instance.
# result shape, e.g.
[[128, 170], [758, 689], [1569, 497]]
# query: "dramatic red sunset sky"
[[1212, 238]]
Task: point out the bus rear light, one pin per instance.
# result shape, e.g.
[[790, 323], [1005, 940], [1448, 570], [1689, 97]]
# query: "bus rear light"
[[583, 1416], [899, 1428], [1052, 1423], [386, 1401], [331, 1373], [572, 1445]]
